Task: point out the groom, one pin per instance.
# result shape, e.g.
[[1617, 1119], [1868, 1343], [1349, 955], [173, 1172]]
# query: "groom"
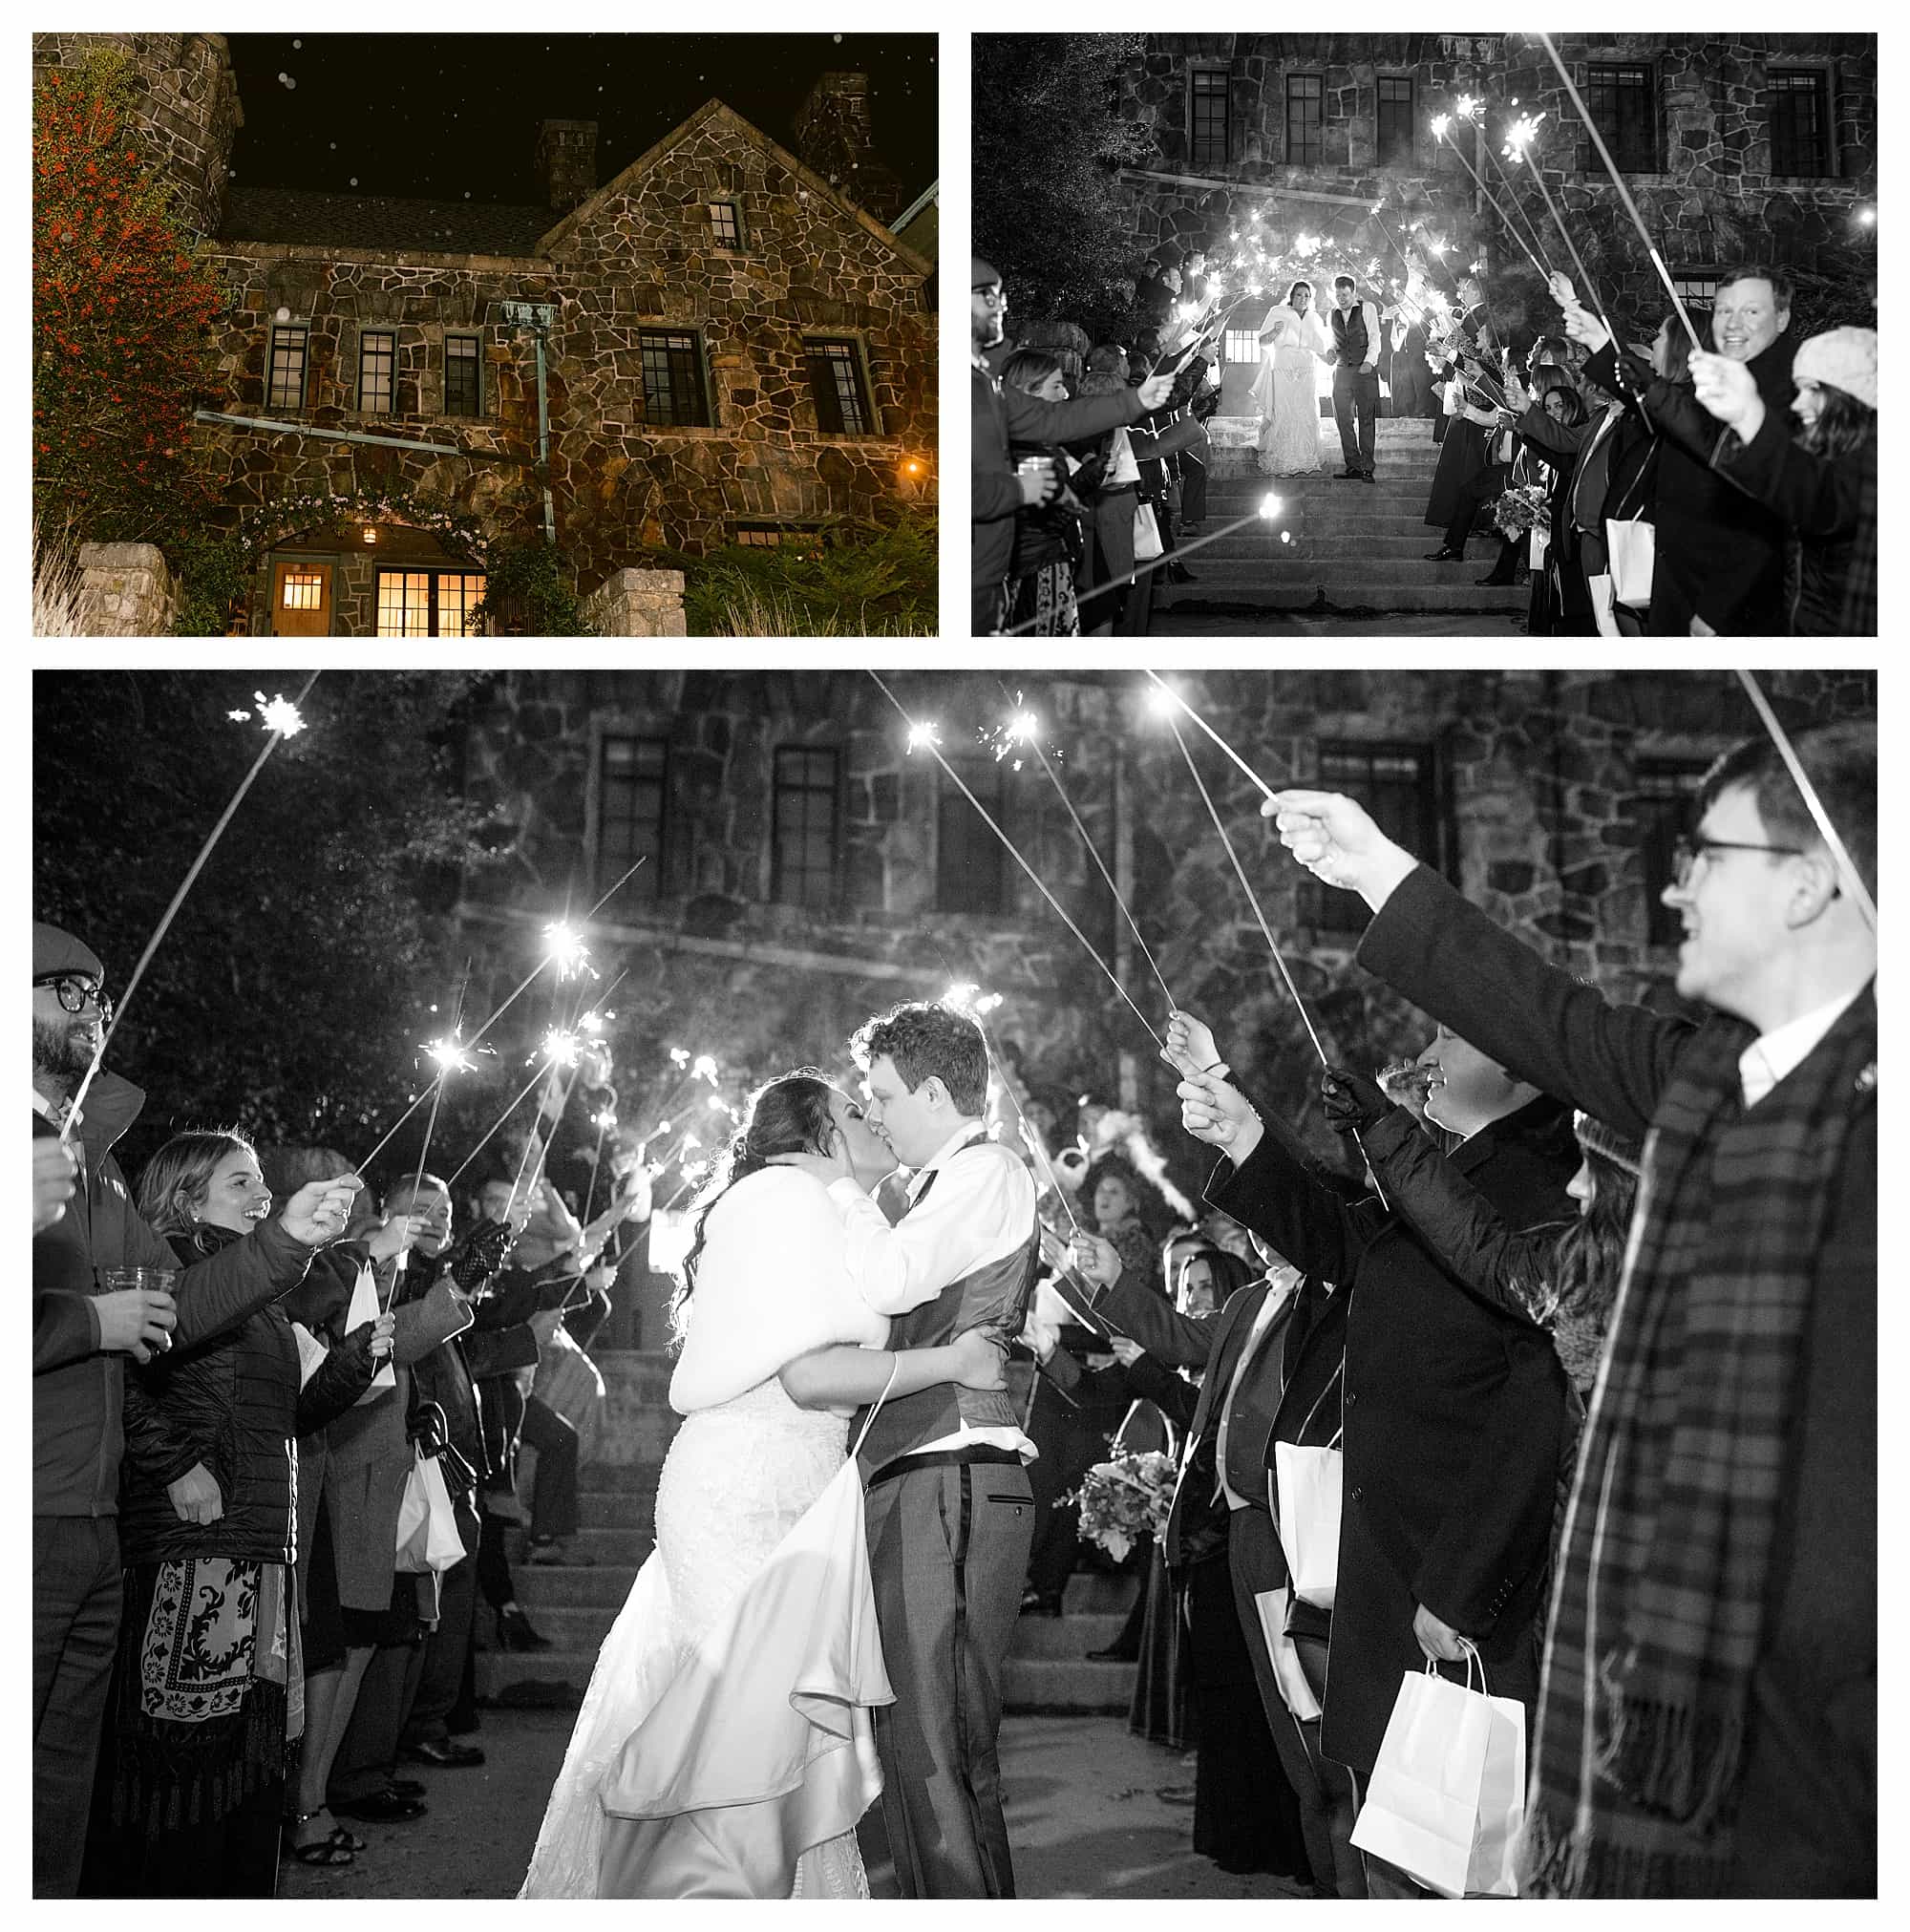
[[1356, 343], [949, 1513]]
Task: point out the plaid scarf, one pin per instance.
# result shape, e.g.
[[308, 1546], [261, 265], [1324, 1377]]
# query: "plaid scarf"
[[1665, 1567]]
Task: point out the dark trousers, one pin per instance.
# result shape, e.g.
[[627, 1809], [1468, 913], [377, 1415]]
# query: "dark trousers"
[[500, 1411], [1070, 1440], [443, 1654], [1193, 485], [1336, 1781], [1356, 391], [368, 1757], [76, 1597], [1258, 1565], [947, 1551], [1475, 493], [554, 1487]]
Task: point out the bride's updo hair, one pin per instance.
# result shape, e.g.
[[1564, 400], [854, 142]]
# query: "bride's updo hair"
[[1295, 287], [788, 1114]]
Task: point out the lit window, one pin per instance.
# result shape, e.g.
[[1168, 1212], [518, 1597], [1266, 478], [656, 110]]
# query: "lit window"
[[836, 388], [286, 388], [302, 590], [804, 803], [725, 230], [463, 376], [759, 536], [377, 364], [428, 602], [673, 379]]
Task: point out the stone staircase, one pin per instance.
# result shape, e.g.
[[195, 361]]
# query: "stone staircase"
[[1335, 548], [1048, 1669]]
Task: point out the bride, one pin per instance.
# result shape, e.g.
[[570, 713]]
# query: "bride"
[[1286, 392], [724, 1749]]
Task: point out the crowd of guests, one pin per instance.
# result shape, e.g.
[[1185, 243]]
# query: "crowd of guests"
[[245, 1636], [1611, 1444], [1722, 489]]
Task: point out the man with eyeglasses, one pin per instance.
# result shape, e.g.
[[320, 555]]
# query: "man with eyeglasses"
[[1708, 1721], [1002, 416], [81, 1338]]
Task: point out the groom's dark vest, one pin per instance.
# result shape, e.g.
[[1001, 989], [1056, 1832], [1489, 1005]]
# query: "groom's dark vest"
[[997, 1294], [1349, 336]]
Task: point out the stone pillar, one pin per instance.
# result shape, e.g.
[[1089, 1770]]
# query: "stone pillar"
[[125, 590], [637, 603]]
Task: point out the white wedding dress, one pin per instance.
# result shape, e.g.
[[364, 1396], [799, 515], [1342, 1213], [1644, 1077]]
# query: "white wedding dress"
[[725, 1748], [1286, 394]]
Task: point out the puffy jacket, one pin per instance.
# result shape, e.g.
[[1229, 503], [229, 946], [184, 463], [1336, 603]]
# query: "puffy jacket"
[[226, 1396], [77, 1388]]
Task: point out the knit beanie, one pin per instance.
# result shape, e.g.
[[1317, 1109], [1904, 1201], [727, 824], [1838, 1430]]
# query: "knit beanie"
[[1840, 358]]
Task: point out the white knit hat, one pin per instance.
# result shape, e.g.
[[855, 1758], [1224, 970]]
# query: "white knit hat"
[[1840, 358]]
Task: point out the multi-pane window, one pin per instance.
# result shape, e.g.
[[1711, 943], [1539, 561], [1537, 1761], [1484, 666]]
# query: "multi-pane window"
[[803, 834], [970, 875], [302, 589], [1207, 118], [428, 602], [1623, 106], [1798, 100], [760, 536], [1305, 114], [377, 371], [632, 801], [673, 391], [1661, 794], [836, 388], [284, 387], [1396, 783], [1395, 117], [463, 376], [725, 229]]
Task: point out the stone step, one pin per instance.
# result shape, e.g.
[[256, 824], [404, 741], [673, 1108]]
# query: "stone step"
[[572, 1586], [1325, 542], [1337, 497], [1065, 1638], [1245, 586], [1379, 572], [1035, 1685], [631, 1505], [539, 1677], [611, 1548]]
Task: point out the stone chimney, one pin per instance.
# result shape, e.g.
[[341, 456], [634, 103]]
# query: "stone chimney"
[[566, 163], [833, 135]]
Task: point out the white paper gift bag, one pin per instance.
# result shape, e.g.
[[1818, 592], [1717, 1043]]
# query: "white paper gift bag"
[[1310, 1482], [1447, 1796], [1287, 1673], [365, 1308], [428, 1537]]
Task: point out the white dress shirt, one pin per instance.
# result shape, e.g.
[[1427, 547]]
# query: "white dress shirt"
[[979, 1211], [1772, 1056]]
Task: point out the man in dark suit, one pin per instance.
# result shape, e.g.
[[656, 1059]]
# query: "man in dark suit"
[[1356, 344], [1454, 1411], [1252, 1351], [1002, 416]]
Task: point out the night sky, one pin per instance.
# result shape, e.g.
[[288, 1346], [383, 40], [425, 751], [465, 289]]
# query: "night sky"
[[443, 115]]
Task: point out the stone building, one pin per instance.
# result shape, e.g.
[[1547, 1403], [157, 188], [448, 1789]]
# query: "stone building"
[[1737, 147], [805, 869], [720, 339]]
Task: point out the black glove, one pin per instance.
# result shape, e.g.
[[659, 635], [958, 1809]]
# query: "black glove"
[[1351, 1101], [482, 1255]]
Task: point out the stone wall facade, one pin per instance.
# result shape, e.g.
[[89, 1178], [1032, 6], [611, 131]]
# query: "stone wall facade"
[[1713, 202], [1535, 779], [188, 109]]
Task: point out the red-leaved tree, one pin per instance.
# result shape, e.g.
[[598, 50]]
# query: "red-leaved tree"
[[122, 313]]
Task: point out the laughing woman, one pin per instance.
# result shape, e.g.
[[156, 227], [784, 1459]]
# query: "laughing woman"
[[208, 1685]]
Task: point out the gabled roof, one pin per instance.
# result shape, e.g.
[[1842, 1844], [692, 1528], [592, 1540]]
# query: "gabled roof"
[[377, 221], [710, 110]]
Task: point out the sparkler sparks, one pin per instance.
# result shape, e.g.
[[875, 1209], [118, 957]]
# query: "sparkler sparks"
[[927, 734], [704, 1069], [565, 949], [1440, 123], [1521, 135], [679, 1058], [449, 1056], [560, 1048]]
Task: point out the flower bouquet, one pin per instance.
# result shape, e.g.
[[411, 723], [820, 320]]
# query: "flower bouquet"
[[1520, 510], [1125, 1498]]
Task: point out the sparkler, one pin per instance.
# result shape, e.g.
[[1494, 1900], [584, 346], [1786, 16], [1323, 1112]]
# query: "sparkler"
[[1166, 700], [1853, 879], [282, 720], [1441, 126], [1520, 131], [1068, 805], [1520, 137], [448, 1053], [1624, 193], [1013, 852]]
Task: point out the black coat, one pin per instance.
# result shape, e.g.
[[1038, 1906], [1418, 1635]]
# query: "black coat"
[[1455, 1415]]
